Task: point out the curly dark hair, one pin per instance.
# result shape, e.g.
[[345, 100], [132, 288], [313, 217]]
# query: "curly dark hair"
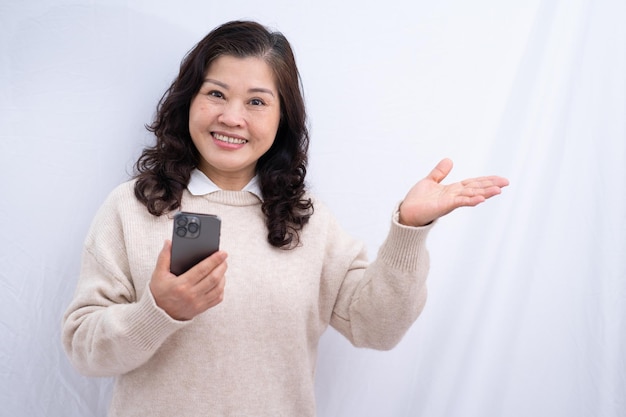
[[163, 170]]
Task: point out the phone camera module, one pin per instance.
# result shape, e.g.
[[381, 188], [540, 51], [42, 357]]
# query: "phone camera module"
[[187, 226]]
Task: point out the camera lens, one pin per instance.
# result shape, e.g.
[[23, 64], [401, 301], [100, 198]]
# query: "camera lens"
[[181, 221], [193, 227], [181, 231]]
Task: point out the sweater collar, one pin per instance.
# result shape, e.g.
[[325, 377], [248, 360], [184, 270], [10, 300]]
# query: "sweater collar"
[[200, 184]]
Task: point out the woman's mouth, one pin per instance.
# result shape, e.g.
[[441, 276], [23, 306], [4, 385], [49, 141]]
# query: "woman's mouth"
[[228, 139]]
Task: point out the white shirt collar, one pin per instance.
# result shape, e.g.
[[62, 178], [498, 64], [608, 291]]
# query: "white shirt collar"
[[200, 184]]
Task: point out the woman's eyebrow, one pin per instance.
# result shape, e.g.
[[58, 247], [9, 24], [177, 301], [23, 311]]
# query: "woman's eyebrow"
[[212, 81], [261, 90]]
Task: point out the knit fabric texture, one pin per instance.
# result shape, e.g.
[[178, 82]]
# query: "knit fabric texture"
[[254, 354]]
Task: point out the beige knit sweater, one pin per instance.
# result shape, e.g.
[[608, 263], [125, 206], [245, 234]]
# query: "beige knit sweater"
[[254, 354]]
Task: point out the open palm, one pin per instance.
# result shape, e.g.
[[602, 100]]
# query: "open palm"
[[429, 199]]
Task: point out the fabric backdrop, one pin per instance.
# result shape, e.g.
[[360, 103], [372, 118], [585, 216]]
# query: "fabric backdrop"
[[527, 293]]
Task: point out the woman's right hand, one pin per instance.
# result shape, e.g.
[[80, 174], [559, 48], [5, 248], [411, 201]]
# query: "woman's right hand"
[[185, 296]]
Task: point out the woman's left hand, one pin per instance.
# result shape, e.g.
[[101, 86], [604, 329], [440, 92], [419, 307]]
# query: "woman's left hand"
[[429, 199]]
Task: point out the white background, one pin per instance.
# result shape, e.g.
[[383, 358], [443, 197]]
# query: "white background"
[[527, 293]]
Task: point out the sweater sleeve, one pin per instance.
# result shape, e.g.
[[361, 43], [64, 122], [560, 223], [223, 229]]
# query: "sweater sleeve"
[[378, 302], [107, 330]]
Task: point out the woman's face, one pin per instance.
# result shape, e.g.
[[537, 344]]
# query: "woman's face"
[[234, 118]]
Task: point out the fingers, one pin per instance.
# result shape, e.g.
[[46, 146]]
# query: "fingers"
[[213, 282], [209, 277], [483, 186], [216, 294], [476, 190], [485, 182], [212, 265], [207, 294]]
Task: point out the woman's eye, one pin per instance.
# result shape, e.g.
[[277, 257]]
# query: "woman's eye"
[[256, 102], [215, 93]]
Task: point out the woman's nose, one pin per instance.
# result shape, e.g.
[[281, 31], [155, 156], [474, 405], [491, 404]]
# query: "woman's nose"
[[232, 114]]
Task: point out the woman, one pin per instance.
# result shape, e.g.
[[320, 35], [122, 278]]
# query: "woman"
[[240, 338]]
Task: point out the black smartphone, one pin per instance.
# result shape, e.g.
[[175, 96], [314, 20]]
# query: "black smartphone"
[[195, 237]]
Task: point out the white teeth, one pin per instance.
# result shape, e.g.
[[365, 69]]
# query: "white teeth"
[[228, 139]]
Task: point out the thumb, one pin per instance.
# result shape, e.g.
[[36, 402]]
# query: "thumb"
[[165, 257], [441, 171]]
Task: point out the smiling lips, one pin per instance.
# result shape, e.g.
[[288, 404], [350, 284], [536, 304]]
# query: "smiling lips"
[[228, 139]]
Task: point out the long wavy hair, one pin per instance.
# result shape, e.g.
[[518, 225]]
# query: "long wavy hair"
[[163, 170]]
